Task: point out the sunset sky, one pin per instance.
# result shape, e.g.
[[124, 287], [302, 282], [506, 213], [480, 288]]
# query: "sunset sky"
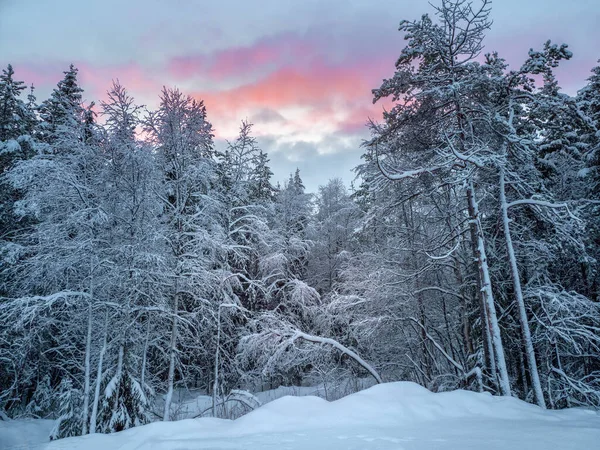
[[302, 71]]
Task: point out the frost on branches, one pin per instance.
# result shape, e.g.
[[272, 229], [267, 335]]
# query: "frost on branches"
[[141, 258]]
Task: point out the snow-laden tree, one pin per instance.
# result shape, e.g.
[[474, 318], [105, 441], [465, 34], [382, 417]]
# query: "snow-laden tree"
[[137, 253], [469, 127], [17, 123], [182, 136], [69, 411], [247, 207], [537, 153], [433, 128], [16, 117], [261, 187], [588, 101], [335, 222], [138, 260], [124, 404], [293, 208], [62, 111], [64, 248], [42, 399], [566, 336]]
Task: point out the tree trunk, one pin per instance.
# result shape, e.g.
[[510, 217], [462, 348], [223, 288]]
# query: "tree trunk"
[[488, 348], [88, 351], [486, 292], [525, 332], [215, 389], [171, 376], [94, 416], [145, 355]]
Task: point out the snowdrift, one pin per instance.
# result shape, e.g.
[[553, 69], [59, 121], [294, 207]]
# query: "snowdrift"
[[393, 415]]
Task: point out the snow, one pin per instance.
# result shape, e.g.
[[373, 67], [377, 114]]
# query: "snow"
[[584, 172], [189, 404], [399, 415], [24, 434], [10, 146]]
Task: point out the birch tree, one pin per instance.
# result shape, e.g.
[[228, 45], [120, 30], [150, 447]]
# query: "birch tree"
[[441, 93], [182, 135]]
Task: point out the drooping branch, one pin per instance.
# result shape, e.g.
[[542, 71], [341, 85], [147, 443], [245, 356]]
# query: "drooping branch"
[[345, 350], [534, 202]]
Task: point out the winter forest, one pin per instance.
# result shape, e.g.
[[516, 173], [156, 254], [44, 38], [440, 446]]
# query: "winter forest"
[[139, 260]]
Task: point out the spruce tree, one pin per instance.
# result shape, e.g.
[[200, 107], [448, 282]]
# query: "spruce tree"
[[63, 110], [69, 411], [17, 124]]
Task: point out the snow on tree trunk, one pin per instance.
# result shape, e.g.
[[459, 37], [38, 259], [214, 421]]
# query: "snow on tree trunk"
[[486, 290], [488, 346], [525, 332], [94, 416], [216, 368], [171, 376], [145, 354], [86, 385]]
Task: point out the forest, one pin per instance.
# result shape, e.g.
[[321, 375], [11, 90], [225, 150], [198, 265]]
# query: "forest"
[[139, 259]]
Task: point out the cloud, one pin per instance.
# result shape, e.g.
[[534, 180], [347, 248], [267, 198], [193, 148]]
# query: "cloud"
[[315, 166], [318, 98], [268, 52], [266, 115], [308, 88]]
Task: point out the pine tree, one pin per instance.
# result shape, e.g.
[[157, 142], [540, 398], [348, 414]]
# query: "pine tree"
[[69, 419], [60, 196], [124, 404], [293, 213], [261, 188], [588, 100], [432, 131], [17, 123], [62, 111], [14, 114], [43, 398]]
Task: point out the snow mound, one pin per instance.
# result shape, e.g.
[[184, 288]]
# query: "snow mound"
[[400, 415], [389, 403]]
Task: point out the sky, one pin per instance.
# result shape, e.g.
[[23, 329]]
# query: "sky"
[[302, 71]]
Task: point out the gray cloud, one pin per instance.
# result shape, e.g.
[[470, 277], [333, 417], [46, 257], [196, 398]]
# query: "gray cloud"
[[315, 167], [266, 115], [151, 32]]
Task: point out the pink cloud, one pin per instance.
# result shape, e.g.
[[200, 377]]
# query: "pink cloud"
[[327, 91], [95, 80], [41, 75], [273, 51], [334, 88]]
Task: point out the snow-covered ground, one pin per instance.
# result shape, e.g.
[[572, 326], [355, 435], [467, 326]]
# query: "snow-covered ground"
[[189, 404], [389, 416], [24, 434]]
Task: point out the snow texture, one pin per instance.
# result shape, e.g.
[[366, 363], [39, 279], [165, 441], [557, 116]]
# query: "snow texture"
[[399, 415]]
